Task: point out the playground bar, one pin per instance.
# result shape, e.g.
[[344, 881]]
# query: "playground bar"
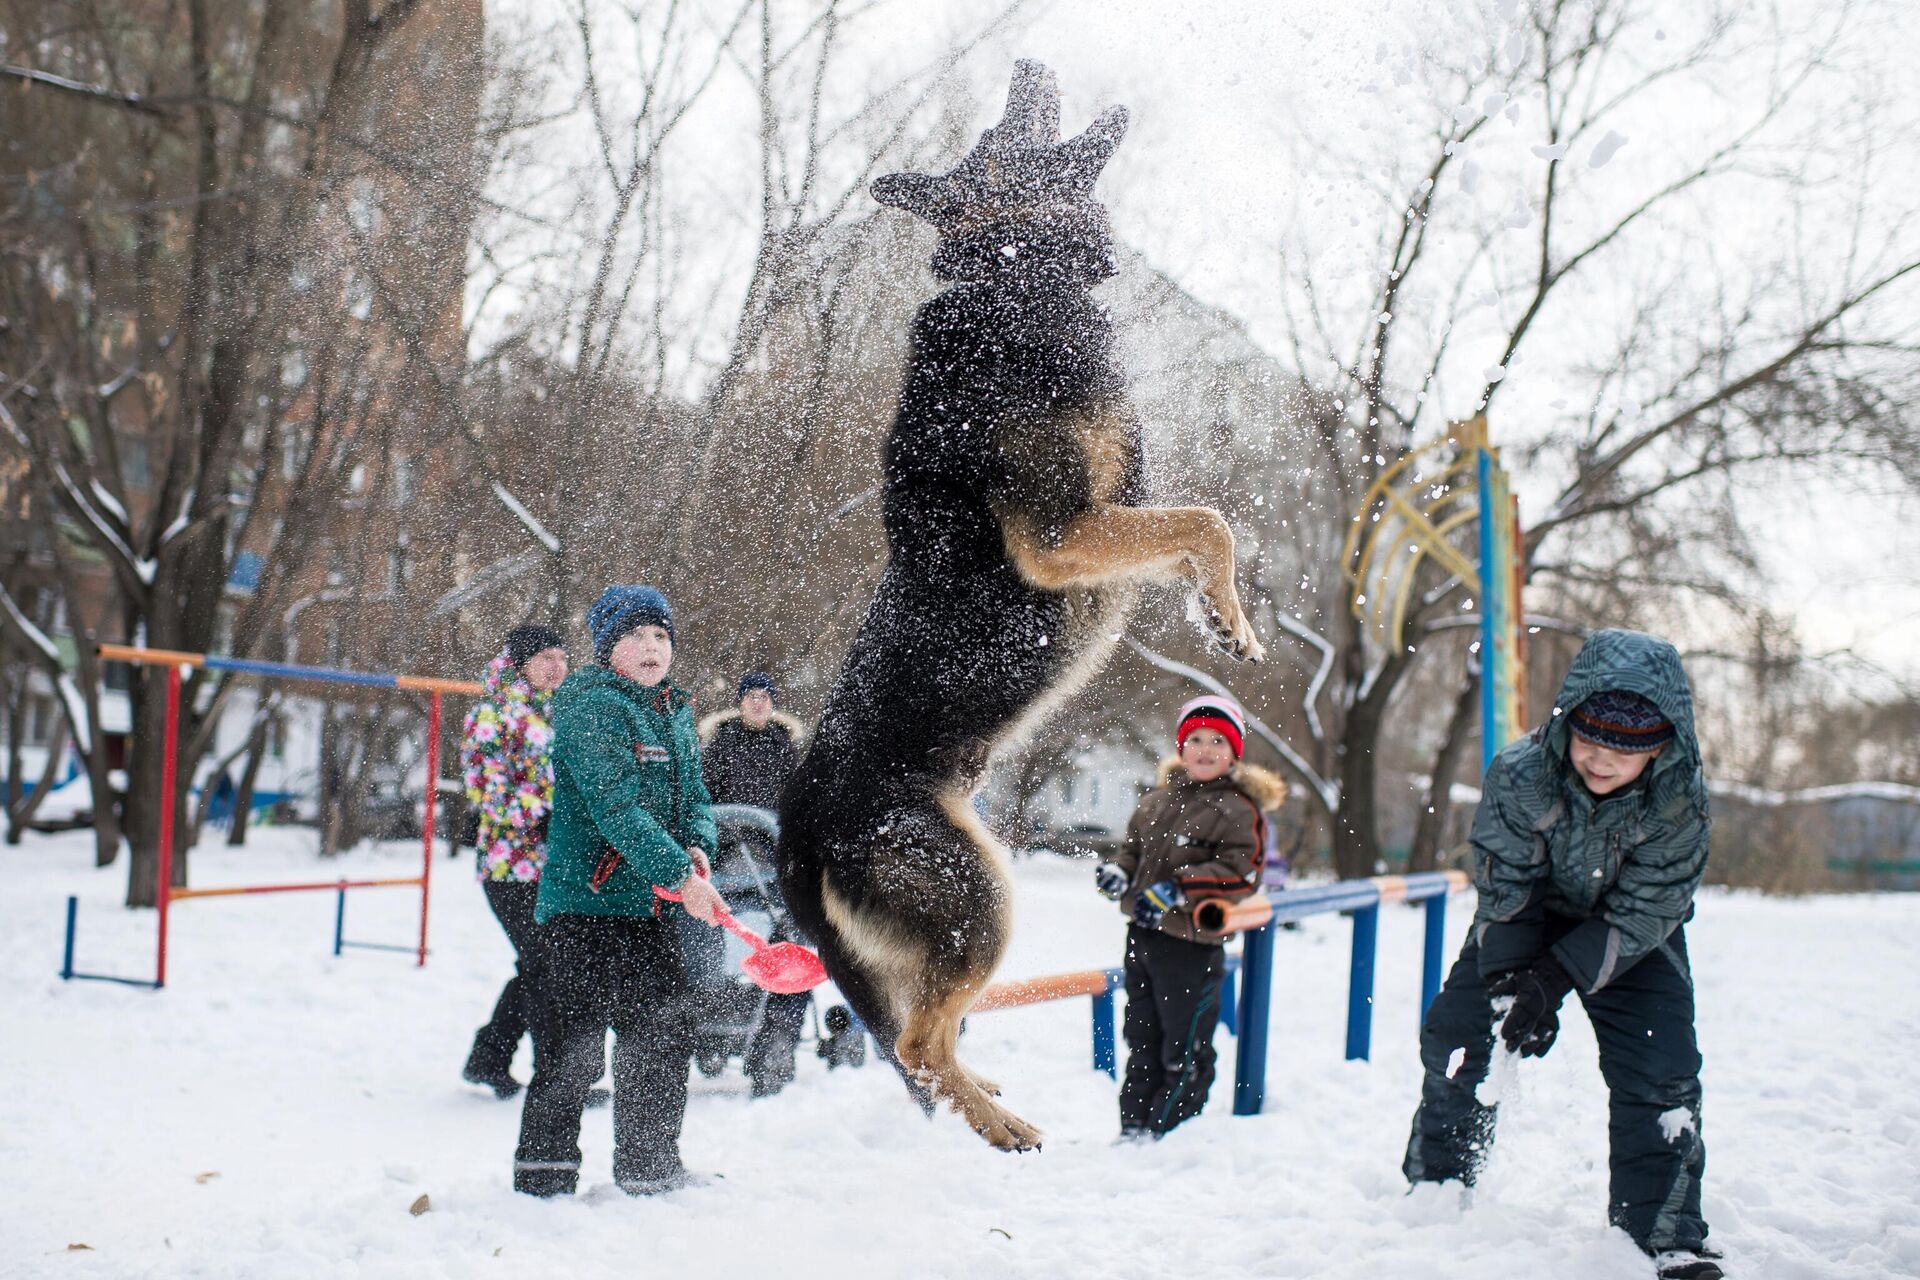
[[1255, 918], [164, 892], [234, 890]]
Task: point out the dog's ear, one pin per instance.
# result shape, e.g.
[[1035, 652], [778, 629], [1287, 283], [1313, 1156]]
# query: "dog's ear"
[[1032, 117], [1083, 158], [921, 194]]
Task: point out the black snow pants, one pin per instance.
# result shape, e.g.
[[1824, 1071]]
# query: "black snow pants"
[[771, 1053], [1173, 1005], [596, 973], [494, 1044], [1643, 1021]]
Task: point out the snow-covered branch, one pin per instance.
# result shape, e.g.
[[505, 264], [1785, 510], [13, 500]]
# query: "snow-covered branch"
[[1302, 632], [70, 698], [526, 518]]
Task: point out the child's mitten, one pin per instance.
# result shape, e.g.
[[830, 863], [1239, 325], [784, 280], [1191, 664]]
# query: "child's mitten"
[[1110, 879], [1533, 1022], [1155, 901]]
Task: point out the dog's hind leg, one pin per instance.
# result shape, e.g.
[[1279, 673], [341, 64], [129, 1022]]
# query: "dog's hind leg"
[[927, 1049], [1114, 543], [927, 931]]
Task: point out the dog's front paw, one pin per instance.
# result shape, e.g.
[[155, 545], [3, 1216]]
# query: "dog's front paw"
[[1231, 630]]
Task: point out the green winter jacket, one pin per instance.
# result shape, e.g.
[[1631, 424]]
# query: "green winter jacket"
[[626, 773], [1624, 866]]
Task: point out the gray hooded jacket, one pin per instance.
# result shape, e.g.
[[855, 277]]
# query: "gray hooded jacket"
[[1626, 865]]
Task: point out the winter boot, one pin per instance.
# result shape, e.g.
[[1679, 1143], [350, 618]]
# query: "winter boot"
[[678, 1180], [489, 1076], [1688, 1264], [545, 1178]]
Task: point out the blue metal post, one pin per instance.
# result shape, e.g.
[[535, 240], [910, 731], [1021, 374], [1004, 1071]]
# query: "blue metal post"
[[339, 920], [1104, 1058], [1366, 931], [1256, 996], [66, 958], [1229, 1005], [1436, 957]]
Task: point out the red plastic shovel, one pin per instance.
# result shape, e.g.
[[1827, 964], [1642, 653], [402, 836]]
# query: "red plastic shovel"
[[784, 968]]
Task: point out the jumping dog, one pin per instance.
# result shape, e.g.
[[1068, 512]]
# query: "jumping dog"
[[1017, 536]]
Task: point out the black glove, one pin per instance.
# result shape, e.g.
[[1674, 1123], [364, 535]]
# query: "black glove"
[[1155, 901], [1534, 1020], [1110, 879]]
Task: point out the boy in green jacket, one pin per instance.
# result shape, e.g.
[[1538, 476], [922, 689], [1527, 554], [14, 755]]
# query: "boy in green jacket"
[[629, 813], [1588, 845]]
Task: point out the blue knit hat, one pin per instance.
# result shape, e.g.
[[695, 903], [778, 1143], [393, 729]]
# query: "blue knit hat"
[[1621, 721], [757, 680], [620, 610]]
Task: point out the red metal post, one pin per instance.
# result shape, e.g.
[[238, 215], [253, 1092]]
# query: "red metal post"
[[163, 890], [426, 821]]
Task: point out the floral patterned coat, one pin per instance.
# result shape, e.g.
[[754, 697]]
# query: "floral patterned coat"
[[509, 773]]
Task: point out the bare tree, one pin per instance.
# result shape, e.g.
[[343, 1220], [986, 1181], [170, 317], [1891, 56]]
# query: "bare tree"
[[1708, 378], [178, 325]]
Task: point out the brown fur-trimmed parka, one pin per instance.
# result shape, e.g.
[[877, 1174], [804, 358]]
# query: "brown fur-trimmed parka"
[[1209, 838]]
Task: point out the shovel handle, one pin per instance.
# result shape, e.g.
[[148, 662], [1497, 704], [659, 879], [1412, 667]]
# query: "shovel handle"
[[726, 921]]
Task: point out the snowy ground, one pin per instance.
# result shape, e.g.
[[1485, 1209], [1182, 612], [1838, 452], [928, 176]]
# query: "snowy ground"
[[275, 1112]]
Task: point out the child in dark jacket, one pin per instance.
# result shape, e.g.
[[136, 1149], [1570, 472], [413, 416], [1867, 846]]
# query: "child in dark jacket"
[[1588, 845], [630, 815], [1197, 838]]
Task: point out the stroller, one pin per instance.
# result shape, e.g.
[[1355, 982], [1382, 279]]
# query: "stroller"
[[732, 1017]]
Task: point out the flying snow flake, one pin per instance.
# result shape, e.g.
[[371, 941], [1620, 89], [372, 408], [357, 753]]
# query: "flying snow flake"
[[1494, 372], [1604, 149], [1558, 151], [1456, 1060]]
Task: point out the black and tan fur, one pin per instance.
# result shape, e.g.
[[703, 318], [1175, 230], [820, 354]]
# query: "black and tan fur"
[[1016, 538]]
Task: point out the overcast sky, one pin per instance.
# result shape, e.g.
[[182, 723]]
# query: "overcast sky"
[[1261, 125]]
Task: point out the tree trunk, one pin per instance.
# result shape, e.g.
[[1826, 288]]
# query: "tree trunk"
[[243, 794], [1356, 838], [21, 815], [1432, 823], [146, 761], [16, 725]]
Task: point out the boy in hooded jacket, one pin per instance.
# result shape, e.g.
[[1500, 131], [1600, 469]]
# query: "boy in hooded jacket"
[[1199, 838], [630, 816], [1588, 845]]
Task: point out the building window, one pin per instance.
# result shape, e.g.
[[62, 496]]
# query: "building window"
[[400, 484], [135, 462], [39, 721], [289, 452]]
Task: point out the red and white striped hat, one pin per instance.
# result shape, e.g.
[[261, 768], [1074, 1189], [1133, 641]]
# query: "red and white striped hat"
[[1211, 711]]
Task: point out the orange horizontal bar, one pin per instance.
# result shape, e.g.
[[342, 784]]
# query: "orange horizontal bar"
[[235, 890], [1059, 986], [1234, 917], [434, 684], [149, 657]]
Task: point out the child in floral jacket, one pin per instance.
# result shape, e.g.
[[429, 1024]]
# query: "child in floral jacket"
[[509, 779]]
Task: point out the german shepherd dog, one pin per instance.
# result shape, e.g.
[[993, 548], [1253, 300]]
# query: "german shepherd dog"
[[1016, 536]]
